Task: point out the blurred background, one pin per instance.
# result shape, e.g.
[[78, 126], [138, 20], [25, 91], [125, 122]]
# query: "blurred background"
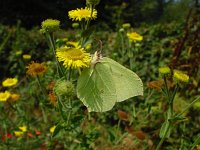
[[32, 12]]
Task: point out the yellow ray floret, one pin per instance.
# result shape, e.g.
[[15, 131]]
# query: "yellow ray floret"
[[4, 96], [73, 57], [133, 36], [9, 82], [82, 14]]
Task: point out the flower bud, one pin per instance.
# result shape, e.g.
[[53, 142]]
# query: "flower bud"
[[180, 76], [64, 88], [75, 25], [164, 70], [50, 25], [92, 2]]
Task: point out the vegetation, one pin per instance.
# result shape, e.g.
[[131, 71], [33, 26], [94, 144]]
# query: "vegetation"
[[109, 85]]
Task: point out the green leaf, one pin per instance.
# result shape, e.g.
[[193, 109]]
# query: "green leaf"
[[196, 142], [165, 130], [108, 82]]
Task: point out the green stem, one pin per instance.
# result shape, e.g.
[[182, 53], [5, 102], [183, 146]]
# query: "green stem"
[[198, 98], [163, 138], [69, 74], [41, 87], [59, 68]]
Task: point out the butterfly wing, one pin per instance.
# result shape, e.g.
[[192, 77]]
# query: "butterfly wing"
[[96, 89], [127, 83]]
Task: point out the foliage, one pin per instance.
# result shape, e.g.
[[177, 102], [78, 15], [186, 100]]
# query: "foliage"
[[47, 113]]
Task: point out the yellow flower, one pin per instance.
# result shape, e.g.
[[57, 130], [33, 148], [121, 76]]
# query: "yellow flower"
[[73, 57], [181, 76], [133, 36], [126, 25], [15, 97], [164, 70], [35, 69], [18, 133], [18, 53], [23, 128], [50, 25], [82, 14], [52, 129], [198, 147], [73, 44], [26, 56], [88, 46], [4, 96], [9, 82]]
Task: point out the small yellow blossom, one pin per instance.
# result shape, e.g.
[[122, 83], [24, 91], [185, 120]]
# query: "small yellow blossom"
[[164, 70], [82, 14], [18, 53], [26, 56], [73, 44], [23, 128], [88, 46], [180, 76], [52, 129], [126, 25], [133, 36], [15, 97], [198, 147], [73, 57], [9, 82], [18, 133], [4, 96]]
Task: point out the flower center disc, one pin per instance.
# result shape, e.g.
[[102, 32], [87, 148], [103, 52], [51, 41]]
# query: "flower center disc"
[[75, 54]]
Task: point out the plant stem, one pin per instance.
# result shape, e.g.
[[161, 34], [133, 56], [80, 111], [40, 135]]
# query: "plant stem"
[[198, 98], [59, 68], [41, 87]]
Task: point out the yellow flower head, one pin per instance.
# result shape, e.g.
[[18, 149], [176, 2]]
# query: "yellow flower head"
[[4, 96], [164, 70], [73, 57], [26, 56], [15, 97], [50, 25], [52, 129], [18, 133], [35, 69], [18, 53], [23, 128], [178, 75], [82, 14], [9, 82], [126, 25], [73, 44], [133, 36]]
